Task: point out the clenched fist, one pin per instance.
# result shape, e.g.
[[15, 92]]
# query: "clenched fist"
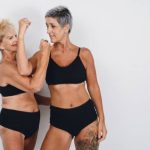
[[24, 23]]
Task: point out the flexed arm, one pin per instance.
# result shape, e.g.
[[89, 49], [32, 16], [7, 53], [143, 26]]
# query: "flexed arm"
[[24, 66], [41, 60], [34, 83]]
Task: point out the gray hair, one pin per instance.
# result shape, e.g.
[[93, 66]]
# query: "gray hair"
[[62, 14]]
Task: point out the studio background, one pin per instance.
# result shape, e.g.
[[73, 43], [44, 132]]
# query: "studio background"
[[118, 34]]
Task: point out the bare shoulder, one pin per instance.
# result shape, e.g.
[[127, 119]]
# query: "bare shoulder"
[[85, 52]]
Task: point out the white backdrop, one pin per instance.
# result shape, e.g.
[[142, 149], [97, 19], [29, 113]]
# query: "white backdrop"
[[118, 34]]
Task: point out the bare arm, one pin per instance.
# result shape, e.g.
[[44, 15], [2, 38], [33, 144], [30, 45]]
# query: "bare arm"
[[24, 66], [33, 83], [42, 100], [92, 83], [94, 91]]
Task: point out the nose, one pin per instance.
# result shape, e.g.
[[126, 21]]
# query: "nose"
[[15, 39], [49, 30]]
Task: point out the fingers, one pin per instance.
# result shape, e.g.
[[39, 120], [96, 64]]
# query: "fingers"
[[44, 43], [102, 133], [101, 137], [43, 40], [24, 22]]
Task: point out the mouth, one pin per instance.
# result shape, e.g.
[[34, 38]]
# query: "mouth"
[[14, 45], [51, 36]]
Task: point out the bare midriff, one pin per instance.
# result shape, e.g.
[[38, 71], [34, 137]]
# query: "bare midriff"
[[22, 102], [68, 95]]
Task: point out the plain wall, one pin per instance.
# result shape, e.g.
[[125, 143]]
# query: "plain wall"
[[118, 33]]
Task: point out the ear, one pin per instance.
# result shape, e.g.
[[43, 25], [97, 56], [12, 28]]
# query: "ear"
[[67, 28]]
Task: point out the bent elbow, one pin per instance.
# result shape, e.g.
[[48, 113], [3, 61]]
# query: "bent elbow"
[[24, 72], [36, 88]]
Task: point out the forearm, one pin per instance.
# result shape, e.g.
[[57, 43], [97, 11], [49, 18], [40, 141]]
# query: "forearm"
[[42, 62], [38, 77], [96, 97], [41, 59], [24, 66]]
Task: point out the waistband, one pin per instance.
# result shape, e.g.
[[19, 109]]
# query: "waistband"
[[85, 104], [18, 111]]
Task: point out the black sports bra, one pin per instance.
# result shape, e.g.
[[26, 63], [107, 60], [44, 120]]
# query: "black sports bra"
[[74, 73], [10, 90]]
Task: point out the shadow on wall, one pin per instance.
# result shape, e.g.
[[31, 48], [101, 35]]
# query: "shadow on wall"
[[44, 125], [44, 118]]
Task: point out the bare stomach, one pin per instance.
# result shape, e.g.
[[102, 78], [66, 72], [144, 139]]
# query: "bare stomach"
[[68, 95], [22, 102]]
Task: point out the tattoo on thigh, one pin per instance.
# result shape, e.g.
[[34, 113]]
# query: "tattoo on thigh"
[[89, 142]]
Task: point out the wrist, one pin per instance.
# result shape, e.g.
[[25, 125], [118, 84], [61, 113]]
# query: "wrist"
[[101, 119], [21, 34], [21, 38]]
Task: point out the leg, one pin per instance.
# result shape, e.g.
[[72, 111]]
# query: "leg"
[[12, 139], [30, 142], [87, 138], [56, 139]]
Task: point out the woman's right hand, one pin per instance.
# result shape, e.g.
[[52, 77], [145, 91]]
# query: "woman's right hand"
[[44, 44], [24, 23]]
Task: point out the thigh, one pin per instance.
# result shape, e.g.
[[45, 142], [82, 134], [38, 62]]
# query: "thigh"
[[87, 138], [12, 139], [30, 142], [56, 139]]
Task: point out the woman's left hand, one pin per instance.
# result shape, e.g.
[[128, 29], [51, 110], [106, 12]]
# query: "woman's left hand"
[[102, 131], [24, 23]]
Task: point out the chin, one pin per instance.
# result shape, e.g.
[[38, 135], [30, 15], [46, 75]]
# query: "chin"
[[14, 50], [53, 41]]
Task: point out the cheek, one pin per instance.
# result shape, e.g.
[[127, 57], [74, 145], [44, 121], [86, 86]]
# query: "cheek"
[[10, 47], [61, 33], [5, 45], [7, 42]]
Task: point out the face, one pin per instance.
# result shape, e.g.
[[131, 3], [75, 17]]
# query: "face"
[[9, 41], [55, 31]]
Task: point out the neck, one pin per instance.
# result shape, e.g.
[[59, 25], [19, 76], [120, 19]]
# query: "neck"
[[9, 56], [63, 45]]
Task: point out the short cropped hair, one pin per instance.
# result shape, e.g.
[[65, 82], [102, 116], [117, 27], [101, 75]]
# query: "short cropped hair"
[[62, 14]]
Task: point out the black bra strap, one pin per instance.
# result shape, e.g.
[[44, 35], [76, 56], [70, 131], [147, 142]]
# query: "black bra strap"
[[78, 51]]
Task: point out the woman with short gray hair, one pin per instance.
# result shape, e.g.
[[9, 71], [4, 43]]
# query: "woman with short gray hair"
[[74, 111]]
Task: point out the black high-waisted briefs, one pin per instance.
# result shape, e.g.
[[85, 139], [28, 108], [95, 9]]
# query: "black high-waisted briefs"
[[26, 123], [73, 120]]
